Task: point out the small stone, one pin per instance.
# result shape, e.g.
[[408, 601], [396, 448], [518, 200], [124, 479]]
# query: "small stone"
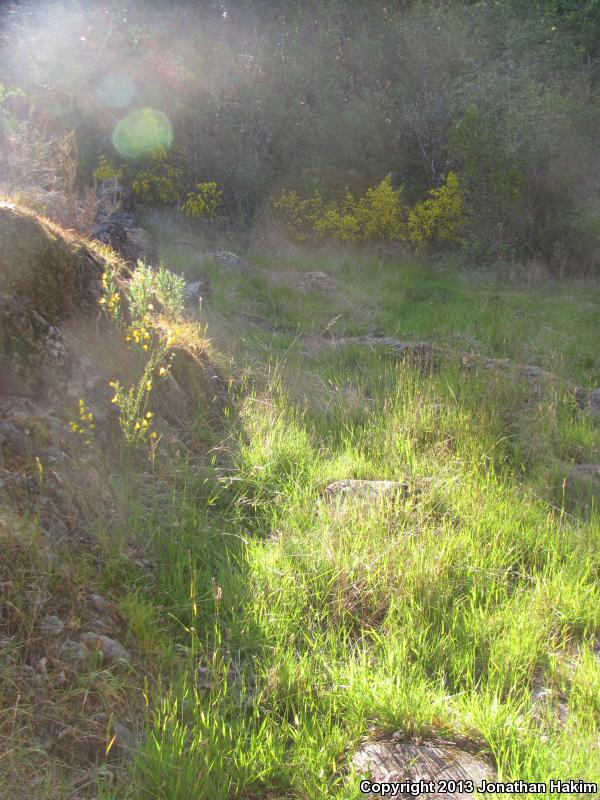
[[99, 603], [126, 742], [204, 679], [52, 626], [112, 650], [545, 701], [73, 653], [592, 401], [318, 281], [228, 259], [195, 291], [533, 373], [142, 563], [103, 773], [583, 477]]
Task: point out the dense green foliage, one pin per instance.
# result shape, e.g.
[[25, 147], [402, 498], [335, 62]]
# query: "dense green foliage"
[[326, 96]]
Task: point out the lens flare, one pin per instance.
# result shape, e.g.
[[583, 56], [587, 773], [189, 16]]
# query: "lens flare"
[[142, 132], [116, 91]]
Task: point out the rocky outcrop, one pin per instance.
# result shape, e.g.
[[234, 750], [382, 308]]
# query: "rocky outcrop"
[[115, 225], [42, 269], [120, 231], [45, 281], [59, 349]]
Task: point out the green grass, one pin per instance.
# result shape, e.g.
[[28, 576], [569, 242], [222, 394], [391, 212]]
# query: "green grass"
[[287, 627]]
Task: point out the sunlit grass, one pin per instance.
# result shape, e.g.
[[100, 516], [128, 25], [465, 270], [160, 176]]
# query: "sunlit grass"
[[273, 629], [313, 623]]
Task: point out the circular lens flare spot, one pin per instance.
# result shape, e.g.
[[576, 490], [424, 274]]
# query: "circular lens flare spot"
[[142, 132], [116, 91]]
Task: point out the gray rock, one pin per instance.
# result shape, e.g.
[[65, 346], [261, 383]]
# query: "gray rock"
[[591, 471], [585, 477], [420, 353], [592, 402], [318, 281], [367, 489], [223, 257], [430, 761], [111, 195], [98, 603], [204, 679], [119, 230], [74, 653], [52, 626], [533, 373], [112, 651], [230, 260], [195, 291], [546, 703], [126, 742]]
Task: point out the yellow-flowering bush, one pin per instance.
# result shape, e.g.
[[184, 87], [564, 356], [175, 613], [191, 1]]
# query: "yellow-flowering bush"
[[298, 213], [161, 181], [379, 215], [341, 223], [204, 202], [440, 217]]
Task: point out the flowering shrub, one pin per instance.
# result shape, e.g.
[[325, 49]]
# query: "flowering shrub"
[[204, 202], [148, 285], [161, 181], [145, 332], [379, 215], [440, 217]]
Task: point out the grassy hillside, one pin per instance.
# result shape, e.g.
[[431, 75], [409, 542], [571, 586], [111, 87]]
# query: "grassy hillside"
[[288, 625]]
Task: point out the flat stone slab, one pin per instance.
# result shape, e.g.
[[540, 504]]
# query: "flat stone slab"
[[429, 761]]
